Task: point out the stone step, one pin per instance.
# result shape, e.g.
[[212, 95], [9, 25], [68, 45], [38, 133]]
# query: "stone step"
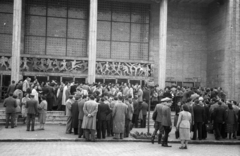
[[49, 113]]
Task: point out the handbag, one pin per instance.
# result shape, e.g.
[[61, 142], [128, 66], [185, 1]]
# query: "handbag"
[[209, 128], [154, 116], [177, 134]]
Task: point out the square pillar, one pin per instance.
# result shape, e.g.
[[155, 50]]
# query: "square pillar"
[[16, 40], [92, 41], [162, 43]]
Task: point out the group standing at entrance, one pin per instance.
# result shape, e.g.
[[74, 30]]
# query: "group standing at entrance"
[[113, 109]]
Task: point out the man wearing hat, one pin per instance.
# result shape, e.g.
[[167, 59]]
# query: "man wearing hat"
[[166, 120], [157, 124], [198, 119], [69, 103], [31, 105]]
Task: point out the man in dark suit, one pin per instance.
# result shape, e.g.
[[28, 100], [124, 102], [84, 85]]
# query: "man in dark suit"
[[103, 111], [218, 117], [158, 123], [11, 88], [80, 115], [31, 105], [75, 114], [198, 119], [137, 109], [166, 120], [144, 113], [10, 104]]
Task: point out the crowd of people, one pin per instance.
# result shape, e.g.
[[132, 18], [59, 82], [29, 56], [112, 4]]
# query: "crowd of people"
[[113, 109], [199, 110]]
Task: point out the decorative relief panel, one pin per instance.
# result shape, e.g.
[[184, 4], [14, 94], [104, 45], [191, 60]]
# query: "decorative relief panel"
[[124, 69], [34, 64], [59, 65]]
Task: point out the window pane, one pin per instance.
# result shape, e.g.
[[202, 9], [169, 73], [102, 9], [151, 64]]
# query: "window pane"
[[56, 27], [57, 8], [36, 25], [77, 28], [78, 9], [120, 50], [35, 45], [104, 30], [5, 43], [6, 23], [120, 31], [77, 48], [103, 49], [56, 46]]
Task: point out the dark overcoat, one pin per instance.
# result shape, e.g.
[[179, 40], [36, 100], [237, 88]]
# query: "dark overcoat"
[[75, 112]]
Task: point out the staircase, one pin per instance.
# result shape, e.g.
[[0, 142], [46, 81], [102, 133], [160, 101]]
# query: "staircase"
[[53, 117], [58, 117]]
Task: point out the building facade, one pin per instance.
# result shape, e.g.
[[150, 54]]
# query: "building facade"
[[188, 43]]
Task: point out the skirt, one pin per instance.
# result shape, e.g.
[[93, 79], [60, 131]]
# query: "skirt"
[[42, 118], [230, 128], [184, 133]]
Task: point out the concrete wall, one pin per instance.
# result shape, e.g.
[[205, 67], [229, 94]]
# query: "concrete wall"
[[216, 45], [186, 42]]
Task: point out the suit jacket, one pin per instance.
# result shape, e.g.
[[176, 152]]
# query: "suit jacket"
[[75, 114], [198, 113], [136, 106], [69, 107], [31, 105], [158, 109], [80, 109], [11, 89], [103, 111], [166, 116], [219, 114], [144, 108], [10, 103]]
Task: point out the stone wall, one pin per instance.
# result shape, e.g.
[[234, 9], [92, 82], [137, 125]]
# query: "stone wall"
[[186, 42], [217, 19]]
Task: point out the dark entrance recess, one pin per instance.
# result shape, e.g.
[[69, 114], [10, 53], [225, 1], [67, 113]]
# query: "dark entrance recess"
[[67, 79], [55, 78], [42, 79], [120, 81], [99, 80], [5, 83], [134, 82], [112, 81], [32, 77], [80, 80]]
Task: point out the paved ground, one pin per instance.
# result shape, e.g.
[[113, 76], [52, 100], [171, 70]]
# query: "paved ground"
[[58, 132], [110, 149]]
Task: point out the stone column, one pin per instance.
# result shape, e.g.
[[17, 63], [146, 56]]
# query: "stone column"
[[162, 43], [92, 41], [16, 40]]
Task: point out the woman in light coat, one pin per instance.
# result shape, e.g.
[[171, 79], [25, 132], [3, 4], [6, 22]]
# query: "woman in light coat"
[[42, 110], [35, 93], [24, 109], [17, 109], [183, 125]]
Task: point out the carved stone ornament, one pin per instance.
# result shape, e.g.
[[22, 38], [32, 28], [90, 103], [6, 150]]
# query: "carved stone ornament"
[[33, 64], [124, 69]]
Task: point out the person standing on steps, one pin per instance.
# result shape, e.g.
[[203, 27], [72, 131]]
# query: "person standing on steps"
[[183, 125], [31, 105], [10, 104], [90, 110], [166, 120], [158, 124]]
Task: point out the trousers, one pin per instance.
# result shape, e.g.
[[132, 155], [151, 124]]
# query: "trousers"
[[30, 120]]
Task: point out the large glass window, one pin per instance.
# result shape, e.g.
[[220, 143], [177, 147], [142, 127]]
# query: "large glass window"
[[6, 26], [56, 27], [123, 30]]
